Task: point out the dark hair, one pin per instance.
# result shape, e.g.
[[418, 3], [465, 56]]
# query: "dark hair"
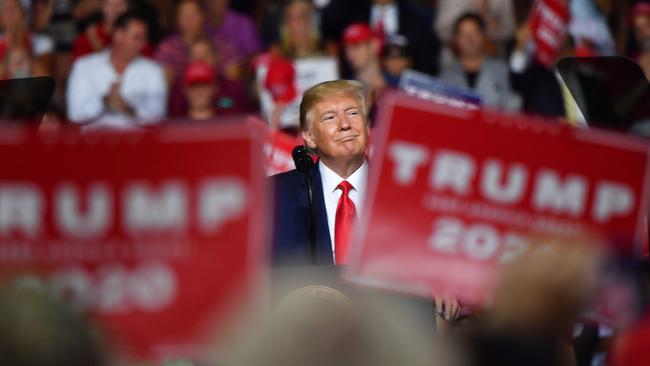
[[472, 17], [123, 21]]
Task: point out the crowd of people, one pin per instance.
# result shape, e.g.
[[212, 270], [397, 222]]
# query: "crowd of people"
[[128, 63]]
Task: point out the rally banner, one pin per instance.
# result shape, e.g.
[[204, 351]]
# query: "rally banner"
[[424, 86], [549, 27], [456, 193], [278, 147], [156, 235]]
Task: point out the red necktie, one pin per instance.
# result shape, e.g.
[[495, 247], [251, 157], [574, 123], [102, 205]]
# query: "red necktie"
[[345, 214]]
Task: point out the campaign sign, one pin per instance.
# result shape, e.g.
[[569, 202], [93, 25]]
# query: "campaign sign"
[[154, 234], [455, 193], [427, 87]]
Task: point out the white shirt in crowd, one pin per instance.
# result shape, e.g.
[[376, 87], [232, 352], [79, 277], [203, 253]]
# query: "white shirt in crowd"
[[143, 87], [388, 14], [330, 181]]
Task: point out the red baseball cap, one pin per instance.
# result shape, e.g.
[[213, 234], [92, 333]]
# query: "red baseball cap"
[[199, 72], [281, 80], [641, 8], [357, 33]]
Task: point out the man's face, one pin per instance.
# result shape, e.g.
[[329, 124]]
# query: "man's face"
[[203, 51], [360, 55], [395, 65], [642, 31], [469, 39], [337, 128], [11, 15], [132, 39], [200, 95]]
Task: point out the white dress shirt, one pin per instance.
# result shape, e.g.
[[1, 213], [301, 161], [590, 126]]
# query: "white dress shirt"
[[143, 87], [330, 181], [388, 14]]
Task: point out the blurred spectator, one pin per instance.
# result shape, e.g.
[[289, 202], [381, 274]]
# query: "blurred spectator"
[[396, 58], [173, 52], [589, 28], [536, 304], [321, 326], [299, 34], [36, 330], [641, 24], [200, 87], [281, 83], [118, 88], [390, 17], [362, 50], [97, 36], [235, 37], [17, 34], [474, 69], [538, 86], [18, 62], [55, 18], [362, 53], [230, 96], [498, 15], [166, 15]]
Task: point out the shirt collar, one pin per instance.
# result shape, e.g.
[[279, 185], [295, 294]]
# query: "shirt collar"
[[331, 180]]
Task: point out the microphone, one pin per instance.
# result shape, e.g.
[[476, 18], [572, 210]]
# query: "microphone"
[[302, 159]]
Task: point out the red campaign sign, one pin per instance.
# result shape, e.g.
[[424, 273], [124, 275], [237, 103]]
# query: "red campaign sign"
[[278, 146], [156, 235], [455, 193], [549, 24]]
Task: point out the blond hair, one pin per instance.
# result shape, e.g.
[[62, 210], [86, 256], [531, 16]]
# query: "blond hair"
[[322, 91]]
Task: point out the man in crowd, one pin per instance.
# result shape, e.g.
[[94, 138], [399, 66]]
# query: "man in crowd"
[[117, 88], [641, 26], [200, 89], [97, 36], [388, 18], [334, 125], [362, 53]]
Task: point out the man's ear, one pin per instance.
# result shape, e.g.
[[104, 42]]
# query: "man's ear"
[[309, 139]]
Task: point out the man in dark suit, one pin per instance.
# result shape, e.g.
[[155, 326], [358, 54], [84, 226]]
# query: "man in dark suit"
[[390, 17], [334, 125]]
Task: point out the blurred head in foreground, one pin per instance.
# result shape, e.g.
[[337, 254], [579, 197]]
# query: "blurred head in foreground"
[[36, 330], [538, 300], [321, 327]]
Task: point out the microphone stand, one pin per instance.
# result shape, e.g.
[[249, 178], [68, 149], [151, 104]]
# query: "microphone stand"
[[305, 164], [312, 219]]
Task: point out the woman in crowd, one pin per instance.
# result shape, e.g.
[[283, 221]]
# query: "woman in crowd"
[[173, 52], [473, 68], [299, 35]]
